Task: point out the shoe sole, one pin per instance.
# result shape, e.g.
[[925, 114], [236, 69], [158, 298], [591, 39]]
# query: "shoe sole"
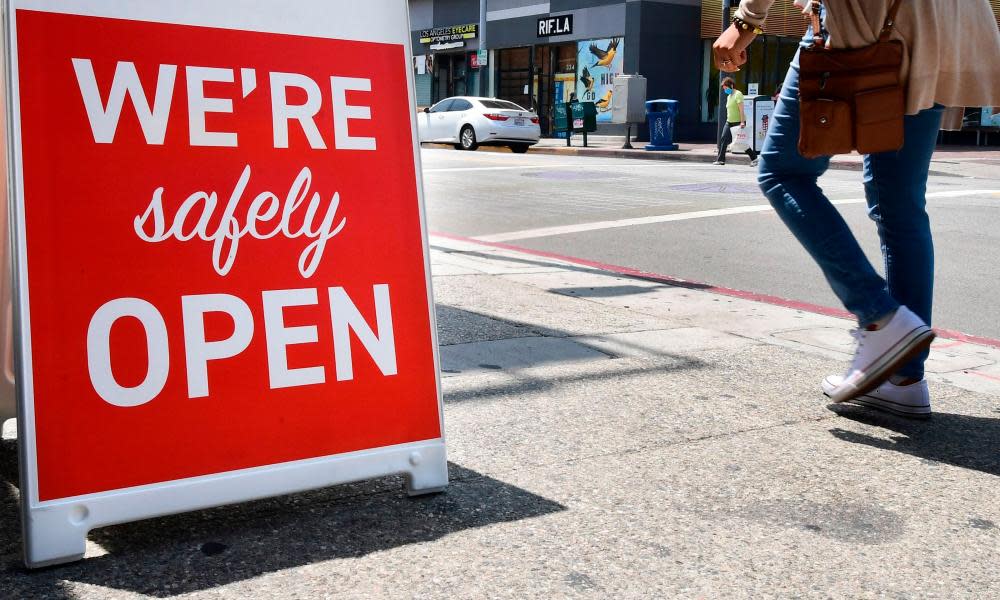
[[881, 404], [890, 407], [906, 350]]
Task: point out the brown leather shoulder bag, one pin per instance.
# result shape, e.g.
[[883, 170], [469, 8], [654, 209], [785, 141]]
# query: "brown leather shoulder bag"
[[851, 99]]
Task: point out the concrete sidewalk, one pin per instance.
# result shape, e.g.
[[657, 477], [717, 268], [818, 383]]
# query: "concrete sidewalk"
[[610, 437], [603, 146]]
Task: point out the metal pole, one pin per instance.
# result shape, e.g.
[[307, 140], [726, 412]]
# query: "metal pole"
[[722, 97], [483, 72]]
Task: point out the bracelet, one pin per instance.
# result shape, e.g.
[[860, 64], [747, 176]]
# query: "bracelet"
[[747, 26]]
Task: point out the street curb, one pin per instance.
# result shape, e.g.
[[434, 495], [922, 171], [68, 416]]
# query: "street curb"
[[949, 334], [676, 155], [680, 155]]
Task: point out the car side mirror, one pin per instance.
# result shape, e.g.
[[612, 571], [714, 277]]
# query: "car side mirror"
[[427, 109]]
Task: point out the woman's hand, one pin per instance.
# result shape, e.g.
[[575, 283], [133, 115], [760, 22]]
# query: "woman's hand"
[[730, 50]]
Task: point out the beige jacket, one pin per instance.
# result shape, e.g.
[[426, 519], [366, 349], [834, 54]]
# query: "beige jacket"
[[952, 46]]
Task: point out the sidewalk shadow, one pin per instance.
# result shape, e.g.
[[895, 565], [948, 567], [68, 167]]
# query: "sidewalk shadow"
[[489, 328], [526, 384], [10, 511], [201, 550], [609, 291], [555, 264], [959, 440]]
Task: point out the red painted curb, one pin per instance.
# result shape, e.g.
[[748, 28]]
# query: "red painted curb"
[[694, 285]]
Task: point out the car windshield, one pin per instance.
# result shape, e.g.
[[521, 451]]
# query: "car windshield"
[[501, 104]]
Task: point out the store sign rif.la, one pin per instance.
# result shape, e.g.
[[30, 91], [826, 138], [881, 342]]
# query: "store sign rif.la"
[[560, 25], [221, 292]]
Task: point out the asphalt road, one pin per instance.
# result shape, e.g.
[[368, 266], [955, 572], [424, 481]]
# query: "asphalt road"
[[708, 224]]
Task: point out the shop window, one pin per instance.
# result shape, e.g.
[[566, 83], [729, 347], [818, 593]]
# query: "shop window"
[[514, 58], [783, 19], [564, 84], [473, 86], [514, 75], [449, 76], [424, 88], [566, 58]]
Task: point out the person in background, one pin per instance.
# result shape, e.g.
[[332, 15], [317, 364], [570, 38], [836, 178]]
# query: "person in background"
[[776, 95], [946, 42], [734, 116]]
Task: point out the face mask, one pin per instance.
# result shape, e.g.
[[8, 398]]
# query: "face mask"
[[729, 91]]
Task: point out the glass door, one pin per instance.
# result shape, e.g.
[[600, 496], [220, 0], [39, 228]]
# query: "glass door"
[[450, 76], [513, 76], [541, 86]]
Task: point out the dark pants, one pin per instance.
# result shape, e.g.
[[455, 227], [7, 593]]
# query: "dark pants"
[[727, 138]]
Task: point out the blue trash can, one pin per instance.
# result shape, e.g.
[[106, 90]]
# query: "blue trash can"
[[661, 115]]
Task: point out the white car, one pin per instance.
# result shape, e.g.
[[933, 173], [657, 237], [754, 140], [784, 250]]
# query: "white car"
[[469, 122]]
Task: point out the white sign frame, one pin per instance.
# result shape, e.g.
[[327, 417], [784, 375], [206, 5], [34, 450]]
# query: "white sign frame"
[[55, 531]]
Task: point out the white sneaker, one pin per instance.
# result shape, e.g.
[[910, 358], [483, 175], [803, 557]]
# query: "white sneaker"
[[753, 163], [913, 401], [880, 354]]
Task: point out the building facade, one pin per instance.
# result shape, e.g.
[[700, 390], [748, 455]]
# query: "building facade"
[[542, 52], [537, 53], [445, 37]]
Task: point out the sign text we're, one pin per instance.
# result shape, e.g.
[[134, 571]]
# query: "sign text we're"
[[104, 114]]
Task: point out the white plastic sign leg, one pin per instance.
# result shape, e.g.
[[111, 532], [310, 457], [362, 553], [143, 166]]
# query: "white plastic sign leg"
[[237, 302]]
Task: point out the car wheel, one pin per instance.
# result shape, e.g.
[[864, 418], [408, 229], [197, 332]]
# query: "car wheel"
[[467, 138], [519, 148]]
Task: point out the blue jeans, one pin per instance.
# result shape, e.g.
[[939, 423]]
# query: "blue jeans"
[[895, 186]]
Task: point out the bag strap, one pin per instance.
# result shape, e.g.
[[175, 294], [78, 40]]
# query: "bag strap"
[[818, 39], [890, 22]]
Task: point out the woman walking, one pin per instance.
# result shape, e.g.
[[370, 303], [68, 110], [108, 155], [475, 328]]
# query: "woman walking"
[[951, 58], [735, 115]]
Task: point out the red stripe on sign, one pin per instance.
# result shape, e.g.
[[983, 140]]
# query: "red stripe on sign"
[[707, 287]]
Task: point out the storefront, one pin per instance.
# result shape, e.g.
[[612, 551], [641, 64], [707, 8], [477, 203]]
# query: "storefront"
[[578, 47], [541, 53], [444, 60], [544, 59], [537, 77]]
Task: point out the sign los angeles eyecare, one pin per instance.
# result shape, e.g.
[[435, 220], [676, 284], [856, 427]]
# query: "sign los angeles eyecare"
[[221, 273]]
